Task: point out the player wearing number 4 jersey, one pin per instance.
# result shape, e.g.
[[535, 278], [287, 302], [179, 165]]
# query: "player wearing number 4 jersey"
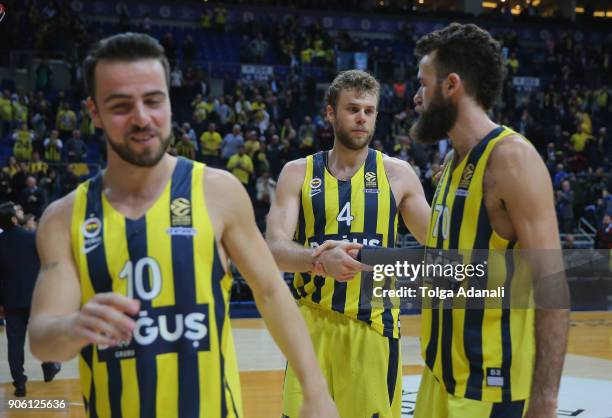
[[134, 263], [350, 193]]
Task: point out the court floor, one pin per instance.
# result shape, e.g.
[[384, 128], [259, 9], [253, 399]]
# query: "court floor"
[[585, 391]]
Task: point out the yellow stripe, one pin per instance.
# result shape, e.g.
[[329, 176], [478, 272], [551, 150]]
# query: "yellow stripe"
[[308, 219], [166, 402], [130, 395], [209, 368], [353, 287], [78, 241]]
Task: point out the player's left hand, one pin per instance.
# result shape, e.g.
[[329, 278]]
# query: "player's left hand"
[[320, 407]]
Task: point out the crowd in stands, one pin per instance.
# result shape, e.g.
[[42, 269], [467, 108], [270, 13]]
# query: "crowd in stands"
[[253, 127]]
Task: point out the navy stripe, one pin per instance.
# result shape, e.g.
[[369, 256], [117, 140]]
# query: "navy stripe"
[[506, 335], [392, 367], [301, 239], [146, 366], [483, 230], [508, 409], [364, 310], [218, 273], [387, 317], [183, 269], [318, 210], [90, 407], [432, 346], [472, 341], [344, 230], [447, 353], [101, 282]]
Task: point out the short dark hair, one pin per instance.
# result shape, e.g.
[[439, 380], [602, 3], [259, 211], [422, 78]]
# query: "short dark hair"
[[360, 81], [470, 52], [128, 47], [7, 212]]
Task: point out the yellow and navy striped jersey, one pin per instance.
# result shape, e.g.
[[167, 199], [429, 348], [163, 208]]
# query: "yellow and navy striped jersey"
[[483, 352], [181, 360], [362, 210]]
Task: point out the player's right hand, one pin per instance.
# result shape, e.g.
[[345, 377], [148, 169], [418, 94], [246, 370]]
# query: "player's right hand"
[[338, 259], [104, 320], [320, 407]]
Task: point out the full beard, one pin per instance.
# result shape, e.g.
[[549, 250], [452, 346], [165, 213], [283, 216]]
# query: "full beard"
[[146, 158], [436, 122], [351, 142]]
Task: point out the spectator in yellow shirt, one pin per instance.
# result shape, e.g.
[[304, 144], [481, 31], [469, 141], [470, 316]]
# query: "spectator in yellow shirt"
[[38, 168], [251, 145], [241, 165], [580, 139], [6, 113], [211, 144], [185, 148], [66, 121], [22, 150]]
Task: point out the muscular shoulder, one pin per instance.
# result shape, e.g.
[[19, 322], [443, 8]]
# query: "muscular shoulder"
[[399, 171], [54, 228], [292, 175], [513, 153]]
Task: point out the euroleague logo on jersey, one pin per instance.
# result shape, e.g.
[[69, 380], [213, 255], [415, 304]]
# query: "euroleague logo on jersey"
[[91, 229]]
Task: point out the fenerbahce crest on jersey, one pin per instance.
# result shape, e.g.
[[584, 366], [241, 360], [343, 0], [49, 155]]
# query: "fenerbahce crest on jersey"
[[360, 210], [181, 359]]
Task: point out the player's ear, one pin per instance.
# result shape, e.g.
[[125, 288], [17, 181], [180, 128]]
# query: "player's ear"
[[329, 113], [95, 115], [452, 84]]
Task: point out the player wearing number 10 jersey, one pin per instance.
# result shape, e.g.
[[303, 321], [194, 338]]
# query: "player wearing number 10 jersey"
[[350, 193], [134, 263]]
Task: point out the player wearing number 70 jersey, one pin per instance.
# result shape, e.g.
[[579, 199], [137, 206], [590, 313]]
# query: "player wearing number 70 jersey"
[[350, 193], [134, 263]]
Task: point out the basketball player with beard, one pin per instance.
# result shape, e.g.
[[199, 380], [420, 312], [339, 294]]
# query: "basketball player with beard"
[[495, 194], [134, 277], [328, 205]]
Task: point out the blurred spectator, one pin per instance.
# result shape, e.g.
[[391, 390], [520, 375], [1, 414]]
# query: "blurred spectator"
[[185, 148], [580, 139], [76, 149], [53, 147], [29, 222], [603, 238], [37, 167], [176, 77], [22, 149], [189, 49], [220, 18], [251, 144], [258, 48], [210, 142], [565, 207], [66, 121], [241, 165], [6, 113], [231, 143], [306, 136], [32, 198], [43, 77]]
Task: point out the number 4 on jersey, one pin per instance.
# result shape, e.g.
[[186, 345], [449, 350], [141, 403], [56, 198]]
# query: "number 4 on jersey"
[[345, 214]]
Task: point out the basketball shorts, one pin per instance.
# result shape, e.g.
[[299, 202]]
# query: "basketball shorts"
[[363, 369], [433, 401]]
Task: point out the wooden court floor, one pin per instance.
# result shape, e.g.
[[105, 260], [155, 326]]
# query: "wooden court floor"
[[261, 366]]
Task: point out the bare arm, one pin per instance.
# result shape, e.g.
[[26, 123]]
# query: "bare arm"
[[283, 218], [412, 203], [520, 177], [248, 250], [58, 327]]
